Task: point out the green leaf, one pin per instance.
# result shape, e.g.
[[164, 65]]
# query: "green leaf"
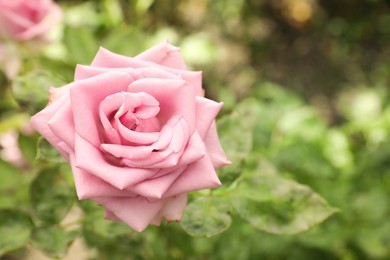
[[113, 12], [15, 230], [31, 90], [46, 152], [303, 123], [52, 195], [304, 159], [237, 138], [10, 175], [14, 121], [206, 217], [53, 241], [142, 6], [27, 145], [198, 49], [230, 138], [113, 40], [94, 222], [14, 186], [278, 205], [81, 44]]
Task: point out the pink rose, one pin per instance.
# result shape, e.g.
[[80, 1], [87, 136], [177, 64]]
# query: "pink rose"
[[27, 19], [138, 134]]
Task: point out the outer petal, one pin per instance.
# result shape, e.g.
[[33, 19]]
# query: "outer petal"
[[106, 59], [173, 209], [164, 54], [214, 148], [198, 176], [39, 123], [206, 111], [110, 216], [83, 72], [154, 188], [61, 123], [136, 212], [91, 160], [89, 186]]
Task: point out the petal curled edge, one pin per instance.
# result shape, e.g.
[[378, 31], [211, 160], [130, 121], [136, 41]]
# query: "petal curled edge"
[[198, 176], [164, 54], [214, 148], [206, 112], [90, 159], [164, 153], [89, 186], [84, 72], [106, 59], [62, 124], [155, 187], [136, 212], [86, 96], [172, 210], [40, 123], [163, 90]]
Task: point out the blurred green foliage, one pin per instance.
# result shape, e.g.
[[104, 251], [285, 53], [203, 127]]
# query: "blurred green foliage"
[[306, 124]]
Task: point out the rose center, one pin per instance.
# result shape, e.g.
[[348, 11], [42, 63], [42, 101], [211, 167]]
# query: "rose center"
[[124, 113]]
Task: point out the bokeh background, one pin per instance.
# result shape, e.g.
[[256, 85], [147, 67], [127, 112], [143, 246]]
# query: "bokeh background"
[[306, 80]]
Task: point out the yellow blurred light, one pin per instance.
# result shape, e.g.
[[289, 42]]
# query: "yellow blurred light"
[[299, 10]]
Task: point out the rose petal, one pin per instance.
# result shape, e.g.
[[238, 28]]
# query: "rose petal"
[[164, 153], [195, 78], [108, 215], [85, 153], [137, 137], [198, 176], [12, 23], [127, 151], [136, 212], [61, 123], [89, 186], [154, 189], [195, 150], [164, 54], [24, 20], [39, 123], [84, 72], [206, 111], [138, 106], [163, 90], [173, 209], [44, 25], [214, 148], [86, 96], [106, 59]]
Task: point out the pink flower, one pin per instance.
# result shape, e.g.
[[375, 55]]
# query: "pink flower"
[[27, 19], [138, 134]]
